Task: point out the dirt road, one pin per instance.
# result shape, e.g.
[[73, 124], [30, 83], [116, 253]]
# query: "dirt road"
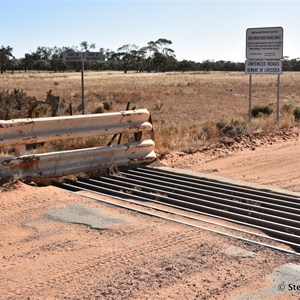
[[272, 160]]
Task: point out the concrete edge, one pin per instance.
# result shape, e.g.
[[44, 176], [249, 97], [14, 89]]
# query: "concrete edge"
[[230, 181]]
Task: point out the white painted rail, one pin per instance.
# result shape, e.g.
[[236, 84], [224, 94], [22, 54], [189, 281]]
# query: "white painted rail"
[[15, 133], [63, 163], [29, 131]]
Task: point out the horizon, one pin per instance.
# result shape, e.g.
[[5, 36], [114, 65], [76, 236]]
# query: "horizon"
[[199, 30]]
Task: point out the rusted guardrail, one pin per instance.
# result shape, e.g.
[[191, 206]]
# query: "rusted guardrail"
[[18, 133]]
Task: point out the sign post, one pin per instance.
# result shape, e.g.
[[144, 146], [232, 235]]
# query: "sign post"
[[264, 51], [278, 95], [250, 95], [71, 56], [82, 87]]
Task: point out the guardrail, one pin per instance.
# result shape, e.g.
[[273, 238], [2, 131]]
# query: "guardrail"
[[19, 133]]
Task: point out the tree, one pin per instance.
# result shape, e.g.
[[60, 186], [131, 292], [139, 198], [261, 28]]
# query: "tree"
[[41, 64], [159, 55], [28, 61], [130, 57], [161, 45], [5, 56], [85, 46], [207, 65], [44, 53]]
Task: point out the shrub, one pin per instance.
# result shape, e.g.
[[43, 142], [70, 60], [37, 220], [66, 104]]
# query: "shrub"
[[158, 106], [107, 105], [259, 111], [209, 131], [296, 113], [287, 109], [15, 104], [232, 129], [98, 110]]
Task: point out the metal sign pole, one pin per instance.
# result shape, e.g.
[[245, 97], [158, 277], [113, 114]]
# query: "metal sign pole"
[[69, 56], [278, 94], [82, 86], [250, 95]]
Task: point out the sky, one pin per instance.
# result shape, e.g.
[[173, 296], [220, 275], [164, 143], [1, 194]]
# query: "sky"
[[199, 30]]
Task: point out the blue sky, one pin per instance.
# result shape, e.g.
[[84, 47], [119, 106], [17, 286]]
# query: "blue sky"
[[199, 30]]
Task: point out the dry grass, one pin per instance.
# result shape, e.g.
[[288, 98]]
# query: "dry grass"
[[185, 106], [11, 184]]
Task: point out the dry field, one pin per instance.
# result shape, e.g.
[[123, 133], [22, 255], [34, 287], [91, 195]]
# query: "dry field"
[[185, 107]]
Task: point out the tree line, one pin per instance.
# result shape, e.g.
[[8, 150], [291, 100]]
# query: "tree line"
[[156, 56]]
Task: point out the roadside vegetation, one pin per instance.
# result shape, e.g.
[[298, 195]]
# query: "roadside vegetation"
[[155, 56], [188, 110]]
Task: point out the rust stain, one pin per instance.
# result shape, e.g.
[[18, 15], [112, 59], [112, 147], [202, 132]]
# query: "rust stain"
[[8, 125], [135, 127], [29, 158], [21, 162], [6, 162], [142, 159], [29, 138], [25, 123]]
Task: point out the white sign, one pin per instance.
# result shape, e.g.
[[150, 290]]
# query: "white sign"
[[263, 66], [93, 56], [82, 56], [264, 43], [72, 56]]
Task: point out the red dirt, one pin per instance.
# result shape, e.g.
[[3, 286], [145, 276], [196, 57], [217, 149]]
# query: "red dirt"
[[144, 257], [272, 160]]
